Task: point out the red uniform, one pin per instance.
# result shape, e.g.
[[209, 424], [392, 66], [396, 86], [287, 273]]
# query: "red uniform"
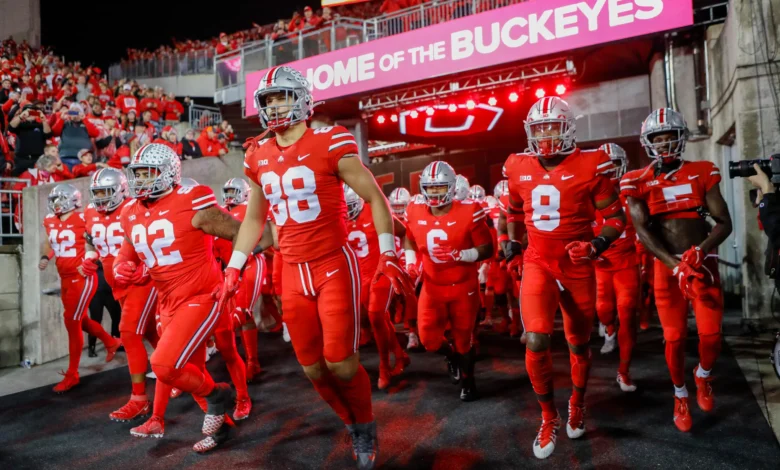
[[321, 271], [450, 289], [126, 103]]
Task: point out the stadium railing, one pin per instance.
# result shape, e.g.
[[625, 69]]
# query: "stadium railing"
[[10, 199], [166, 65], [202, 117]]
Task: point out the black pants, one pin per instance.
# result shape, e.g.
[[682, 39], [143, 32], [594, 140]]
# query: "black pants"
[[104, 298]]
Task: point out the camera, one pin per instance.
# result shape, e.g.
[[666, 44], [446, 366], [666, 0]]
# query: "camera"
[[744, 168]]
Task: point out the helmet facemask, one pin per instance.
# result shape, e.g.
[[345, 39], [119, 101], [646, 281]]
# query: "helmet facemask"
[[437, 194], [147, 181], [550, 138], [60, 204], [398, 209], [665, 146], [354, 208], [286, 108], [231, 196], [105, 198]]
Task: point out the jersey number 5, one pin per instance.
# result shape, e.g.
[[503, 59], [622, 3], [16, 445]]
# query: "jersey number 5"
[[155, 255], [301, 204]]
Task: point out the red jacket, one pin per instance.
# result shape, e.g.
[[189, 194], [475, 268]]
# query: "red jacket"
[[209, 148], [153, 105], [84, 170], [126, 103], [120, 158], [173, 110], [56, 129]]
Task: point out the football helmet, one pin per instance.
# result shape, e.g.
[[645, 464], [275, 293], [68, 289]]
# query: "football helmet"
[[664, 121], [546, 116], [354, 202], [235, 191], [295, 87], [399, 199], [438, 174], [477, 193], [188, 182], [501, 189], [163, 171], [619, 160], [113, 184], [491, 201], [461, 188], [64, 198]]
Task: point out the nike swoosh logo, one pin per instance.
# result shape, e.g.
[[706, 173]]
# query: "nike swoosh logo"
[[567, 177], [303, 157], [164, 212], [366, 225], [329, 274], [472, 293], [193, 305], [693, 177], [450, 224]]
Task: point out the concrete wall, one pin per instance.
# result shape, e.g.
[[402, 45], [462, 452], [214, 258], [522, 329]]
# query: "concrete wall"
[[196, 86], [22, 20], [10, 312]]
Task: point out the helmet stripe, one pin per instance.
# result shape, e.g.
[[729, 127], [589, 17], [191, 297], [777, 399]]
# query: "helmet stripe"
[[269, 77], [434, 168], [661, 116]]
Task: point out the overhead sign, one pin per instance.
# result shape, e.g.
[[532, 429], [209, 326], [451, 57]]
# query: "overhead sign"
[[508, 34]]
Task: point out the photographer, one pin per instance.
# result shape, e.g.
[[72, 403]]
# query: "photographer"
[[31, 129], [769, 205]]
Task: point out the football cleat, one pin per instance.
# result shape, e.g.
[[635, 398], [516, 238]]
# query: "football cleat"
[[243, 408], [70, 380], [575, 426], [624, 380], [384, 378], [468, 392], [544, 444], [137, 406], [401, 363], [111, 350], [285, 333], [414, 342], [609, 343], [219, 429], [153, 427], [602, 330], [365, 444], [175, 392], [253, 370], [682, 415], [454, 370], [704, 395]]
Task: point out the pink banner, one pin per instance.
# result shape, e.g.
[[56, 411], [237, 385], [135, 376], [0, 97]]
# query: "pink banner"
[[508, 34]]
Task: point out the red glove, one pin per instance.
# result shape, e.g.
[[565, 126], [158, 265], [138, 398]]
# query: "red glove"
[[389, 266], [413, 272], [158, 322], [89, 267], [515, 268], [581, 252], [445, 253], [229, 285], [694, 257], [124, 272], [685, 275]]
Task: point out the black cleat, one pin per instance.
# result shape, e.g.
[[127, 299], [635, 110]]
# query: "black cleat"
[[468, 392], [365, 444], [452, 366]]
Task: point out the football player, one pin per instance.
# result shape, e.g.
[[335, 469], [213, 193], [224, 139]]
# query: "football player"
[[554, 191], [676, 195], [499, 282], [477, 194], [617, 281], [170, 230], [299, 174], [399, 201], [65, 230], [109, 191], [461, 188], [453, 237]]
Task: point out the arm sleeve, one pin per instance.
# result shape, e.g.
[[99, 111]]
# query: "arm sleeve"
[[342, 143], [769, 214], [711, 176], [480, 233], [56, 128], [603, 189], [629, 186], [91, 129], [126, 253], [202, 197]]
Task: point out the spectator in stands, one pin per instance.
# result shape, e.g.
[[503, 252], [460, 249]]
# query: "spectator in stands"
[[187, 101], [129, 121], [209, 143], [75, 134], [223, 143], [391, 6], [169, 137], [5, 156], [227, 129], [227, 76], [42, 172], [61, 172], [141, 136], [147, 119], [86, 167], [297, 23], [104, 94], [31, 130], [173, 109], [127, 101], [152, 104], [82, 92], [5, 90], [190, 147]]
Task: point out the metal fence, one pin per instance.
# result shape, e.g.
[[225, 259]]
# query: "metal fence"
[[202, 117], [11, 210], [184, 63]]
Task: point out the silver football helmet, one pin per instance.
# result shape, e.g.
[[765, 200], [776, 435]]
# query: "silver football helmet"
[[162, 167], [501, 189], [664, 121], [477, 193], [235, 191], [188, 182], [354, 203], [297, 92], [619, 160], [64, 198], [399, 199], [491, 201], [461, 188], [108, 189], [436, 175], [550, 128]]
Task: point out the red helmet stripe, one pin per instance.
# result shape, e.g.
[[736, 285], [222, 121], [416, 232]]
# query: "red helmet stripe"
[[269, 77], [661, 116], [434, 168]]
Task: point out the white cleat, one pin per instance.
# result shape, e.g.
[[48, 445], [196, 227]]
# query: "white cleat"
[[575, 426], [624, 380], [285, 333], [544, 444], [602, 330], [210, 351], [151, 375], [414, 342], [609, 343]]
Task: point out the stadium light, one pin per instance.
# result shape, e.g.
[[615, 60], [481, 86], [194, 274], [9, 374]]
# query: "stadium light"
[[452, 108], [380, 119], [414, 113], [470, 104], [492, 101], [513, 97], [540, 93], [429, 111], [394, 117], [560, 89]]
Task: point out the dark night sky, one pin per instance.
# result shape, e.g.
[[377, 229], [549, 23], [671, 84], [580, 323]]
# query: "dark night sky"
[[147, 24]]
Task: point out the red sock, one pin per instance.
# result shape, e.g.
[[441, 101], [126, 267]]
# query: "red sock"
[[250, 342], [136, 352], [675, 360], [75, 345], [162, 393], [540, 371], [381, 335], [269, 306], [139, 388], [626, 337], [326, 387], [610, 329], [580, 369], [95, 329], [392, 339], [488, 303], [709, 349], [357, 395], [226, 344]]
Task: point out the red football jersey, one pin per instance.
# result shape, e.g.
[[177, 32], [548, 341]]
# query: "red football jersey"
[[463, 227], [365, 241], [559, 204], [621, 253], [107, 236], [675, 194], [180, 257], [67, 240], [304, 191]]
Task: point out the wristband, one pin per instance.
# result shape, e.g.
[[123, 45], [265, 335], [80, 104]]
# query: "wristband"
[[44, 257], [90, 255], [600, 244], [237, 260], [386, 243], [503, 238], [411, 257], [469, 256], [615, 223]]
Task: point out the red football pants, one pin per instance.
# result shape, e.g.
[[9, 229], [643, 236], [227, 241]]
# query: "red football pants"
[[456, 304], [618, 291], [138, 317], [76, 294], [276, 274]]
